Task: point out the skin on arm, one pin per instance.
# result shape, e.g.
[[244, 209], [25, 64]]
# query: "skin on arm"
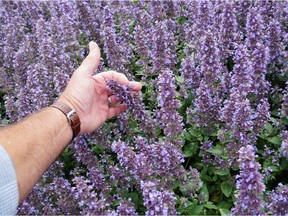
[[35, 142]]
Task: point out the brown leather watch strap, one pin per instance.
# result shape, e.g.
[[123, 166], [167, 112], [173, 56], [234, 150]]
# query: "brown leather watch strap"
[[73, 118]]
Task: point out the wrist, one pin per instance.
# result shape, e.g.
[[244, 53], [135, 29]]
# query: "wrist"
[[71, 116]]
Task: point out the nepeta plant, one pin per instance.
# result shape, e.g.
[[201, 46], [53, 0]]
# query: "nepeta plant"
[[206, 135], [249, 183]]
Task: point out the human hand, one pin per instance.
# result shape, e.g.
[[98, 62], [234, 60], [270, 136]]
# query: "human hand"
[[88, 94]]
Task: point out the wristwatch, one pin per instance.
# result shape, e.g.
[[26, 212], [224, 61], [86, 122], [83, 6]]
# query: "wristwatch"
[[72, 117]]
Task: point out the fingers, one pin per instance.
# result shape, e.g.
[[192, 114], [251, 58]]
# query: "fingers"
[[113, 101], [114, 111], [91, 62], [136, 86], [113, 75]]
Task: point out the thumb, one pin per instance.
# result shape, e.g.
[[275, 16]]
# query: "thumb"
[[91, 62]]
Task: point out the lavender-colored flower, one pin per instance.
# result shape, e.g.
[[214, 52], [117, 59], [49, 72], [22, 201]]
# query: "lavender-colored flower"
[[89, 11], [167, 159], [160, 159], [86, 197], [191, 182], [126, 157], [157, 200], [135, 104], [206, 157], [237, 112], [204, 21], [190, 74], [254, 29], [208, 56], [261, 115], [242, 8], [277, 201], [115, 46], [142, 34], [60, 190], [156, 10], [284, 144], [85, 155], [126, 207], [22, 56], [143, 38], [163, 46], [249, 183], [207, 105], [228, 29], [273, 40], [207, 102], [260, 86], [284, 109], [187, 29], [39, 77], [242, 77], [169, 118]]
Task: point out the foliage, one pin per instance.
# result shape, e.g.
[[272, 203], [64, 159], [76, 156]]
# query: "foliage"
[[208, 133]]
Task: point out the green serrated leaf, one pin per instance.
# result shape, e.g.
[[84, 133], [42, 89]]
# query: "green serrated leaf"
[[195, 210], [226, 188], [189, 150], [275, 140], [284, 120], [224, 212], [269, 127], [222, 172], [210, 205], [205, 193], [132, 195], [194, 133], [206, 178], [215, 151], [179, 79], [181, 19]]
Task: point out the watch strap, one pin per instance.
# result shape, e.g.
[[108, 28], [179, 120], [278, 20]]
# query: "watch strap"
[[71, 115]]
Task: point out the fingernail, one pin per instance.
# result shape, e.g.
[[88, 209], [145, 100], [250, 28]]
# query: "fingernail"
[[92, 45]]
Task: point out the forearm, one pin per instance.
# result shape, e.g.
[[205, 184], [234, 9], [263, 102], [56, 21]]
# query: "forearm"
[[34, 143]]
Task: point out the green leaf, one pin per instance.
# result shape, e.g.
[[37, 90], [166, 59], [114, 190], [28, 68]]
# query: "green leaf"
[[132, 195], [210, 205], [195, 210], [215, 151], [224, 212], [206, 178], [205, 193], [194, 133], [275, 140], [269, 127], [284, 120], [190, 149], [181, 19], [179, 79], [222, 172], [226, 188], [116, 203]]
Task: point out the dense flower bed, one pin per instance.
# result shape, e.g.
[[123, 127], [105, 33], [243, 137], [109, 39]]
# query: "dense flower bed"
[[208, 133]]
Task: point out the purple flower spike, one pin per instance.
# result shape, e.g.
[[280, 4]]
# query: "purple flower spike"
[[249, 183]]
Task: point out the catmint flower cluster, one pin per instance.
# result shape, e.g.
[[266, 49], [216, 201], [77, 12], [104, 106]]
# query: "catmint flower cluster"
[[277, 200], [214, 76], [249, 183], [157, 200], [284, 144], [133, 102], [169, 118]]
